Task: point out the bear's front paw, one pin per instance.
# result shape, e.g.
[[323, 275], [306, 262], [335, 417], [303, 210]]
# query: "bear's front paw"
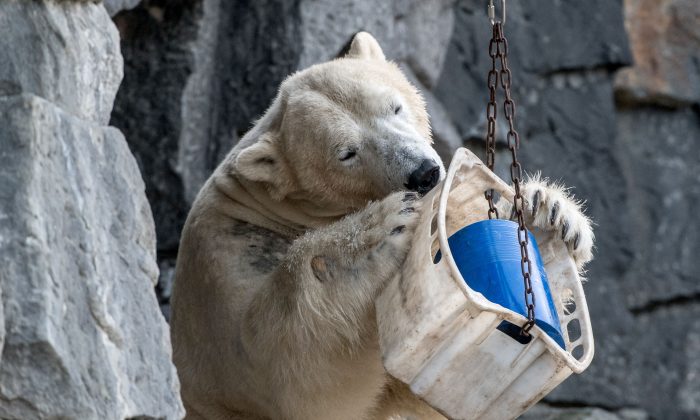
[[550, 207], [396, 219]]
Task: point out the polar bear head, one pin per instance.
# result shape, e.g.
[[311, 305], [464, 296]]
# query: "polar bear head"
[[342, 133]]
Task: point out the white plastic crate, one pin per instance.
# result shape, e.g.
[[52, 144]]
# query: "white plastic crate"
[[439, 336]]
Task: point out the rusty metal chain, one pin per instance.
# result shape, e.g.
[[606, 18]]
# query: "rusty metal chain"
[[498, 51], [491, 115]]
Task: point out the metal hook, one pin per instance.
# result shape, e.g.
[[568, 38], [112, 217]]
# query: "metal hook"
[[492, 12]]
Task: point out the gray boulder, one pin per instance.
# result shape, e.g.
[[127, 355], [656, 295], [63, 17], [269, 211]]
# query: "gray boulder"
[[67, 53], [80, 330], [83, 335]]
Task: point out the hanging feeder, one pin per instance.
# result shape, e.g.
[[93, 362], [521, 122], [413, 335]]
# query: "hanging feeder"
[[481, 322], [446, 340]]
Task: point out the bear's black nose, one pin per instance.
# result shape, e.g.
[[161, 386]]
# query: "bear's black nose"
[[425, 177]]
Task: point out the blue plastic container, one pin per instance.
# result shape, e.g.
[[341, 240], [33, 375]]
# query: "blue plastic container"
[[487, 254]]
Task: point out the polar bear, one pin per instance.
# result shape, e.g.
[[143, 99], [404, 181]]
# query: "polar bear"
[[292, 238]]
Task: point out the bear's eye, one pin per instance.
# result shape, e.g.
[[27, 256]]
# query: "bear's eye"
[[397, 109], [346, 155]]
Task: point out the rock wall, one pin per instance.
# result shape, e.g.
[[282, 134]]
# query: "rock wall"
[[81, 336]]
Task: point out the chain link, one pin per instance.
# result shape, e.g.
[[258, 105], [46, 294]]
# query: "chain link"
[[498, 51], [491, 114]]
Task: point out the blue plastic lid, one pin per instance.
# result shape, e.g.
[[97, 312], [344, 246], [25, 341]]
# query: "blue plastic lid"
[[487, 254]]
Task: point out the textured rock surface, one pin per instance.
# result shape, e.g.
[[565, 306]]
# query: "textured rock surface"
[[553, 45], [83, 334], [67, 53], [80, 330], [194, 82], [412, 31], [659, 206], [665, 35]]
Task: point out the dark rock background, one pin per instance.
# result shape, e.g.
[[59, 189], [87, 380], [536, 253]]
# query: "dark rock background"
[[608, 99]]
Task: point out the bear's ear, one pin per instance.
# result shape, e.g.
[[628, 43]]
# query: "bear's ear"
[[260, 158], [260, 161], [365, 46]]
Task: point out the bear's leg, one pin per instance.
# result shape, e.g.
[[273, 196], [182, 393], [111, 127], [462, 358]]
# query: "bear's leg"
[[550, 207], [310, 326], [346, 263]]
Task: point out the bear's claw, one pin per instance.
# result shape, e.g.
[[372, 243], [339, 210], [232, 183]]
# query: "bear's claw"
[[553, 213], [394, 218], [409, 196], [397, 230], [535, 203], [552, 208]]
